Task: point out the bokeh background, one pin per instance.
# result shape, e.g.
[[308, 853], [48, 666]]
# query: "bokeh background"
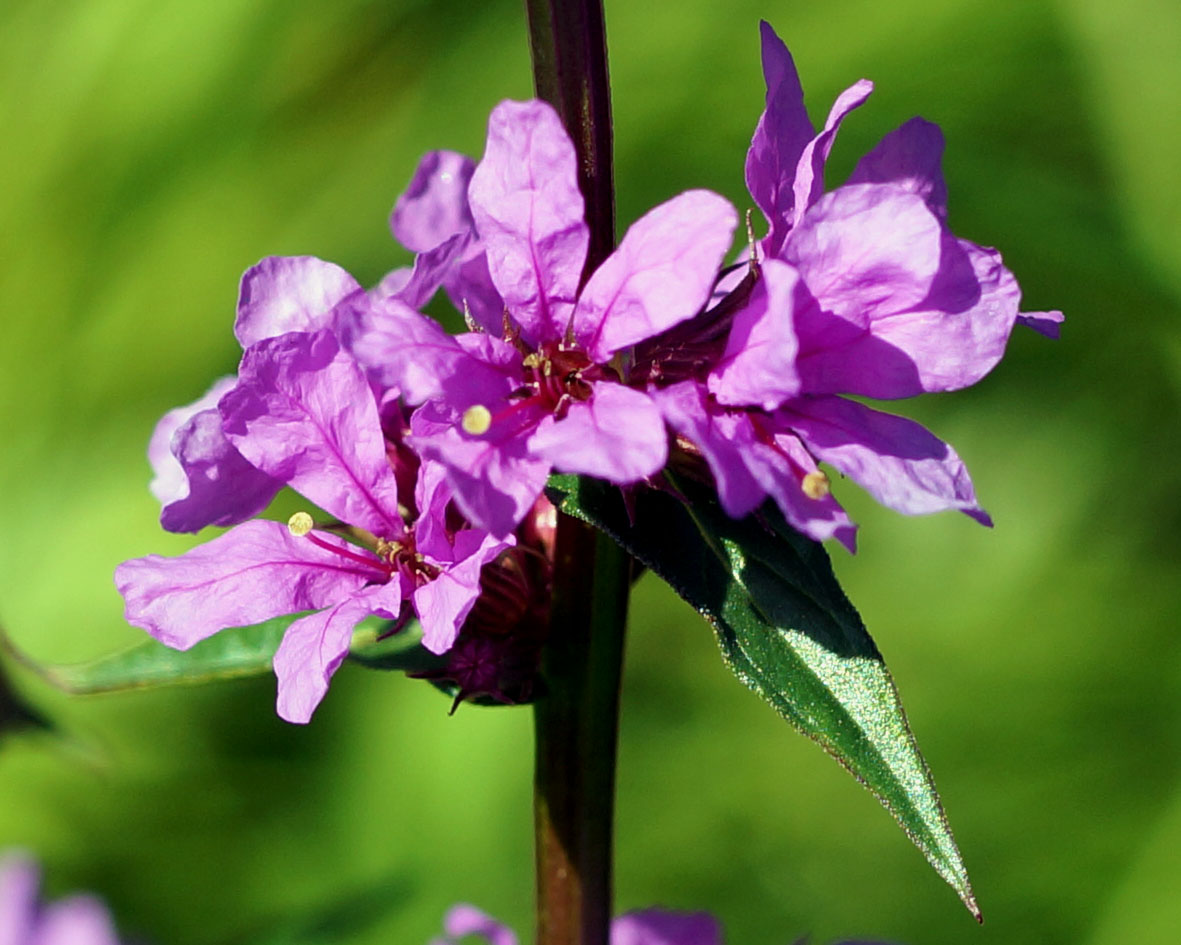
[[152, 151]]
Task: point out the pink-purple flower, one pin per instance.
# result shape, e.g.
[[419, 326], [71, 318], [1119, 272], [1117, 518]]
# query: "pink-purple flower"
[[24, 920], [543, 386], [645, 927], [863, 290], [303, 412]]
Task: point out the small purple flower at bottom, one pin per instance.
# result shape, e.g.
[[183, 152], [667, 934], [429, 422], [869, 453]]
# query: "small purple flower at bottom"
[[643, 927], [77, 920]]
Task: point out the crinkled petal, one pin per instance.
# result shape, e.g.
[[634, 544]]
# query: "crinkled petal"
[[304, 413], [660, 274], [431, 269], [494, 475], [758, 366], [78, 920], [663, 927], [200, 479], [865, 252], [443, 603], [290, 293], [725, 439], [470, 288], [399, 347], [314, 647], [617, 435], [434, 205], [529, 213], [783, 131], [253, 572], [1044, 323], [464, 920], [948, 340], [809, 176], [900, 463], [19, 880], [909, 157]]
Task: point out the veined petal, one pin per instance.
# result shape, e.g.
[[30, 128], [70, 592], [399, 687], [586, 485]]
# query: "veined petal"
[[431, 269], [304, 413], [528, 211], [758, 366], [290, 293], [434, 204], [809, 176], [401, 348], [866, 251], [662, 927], [909, 157], [470, 288], [900, 463], [443, 604], [660, 274], [779, 139], [494, 475], [314, 647], [724, 437], [617, 435], [253, 572]]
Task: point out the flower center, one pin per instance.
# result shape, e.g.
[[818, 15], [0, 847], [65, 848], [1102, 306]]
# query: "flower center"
[[387, 557]]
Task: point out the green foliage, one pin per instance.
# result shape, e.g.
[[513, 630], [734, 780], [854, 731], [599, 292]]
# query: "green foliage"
[[786, 630]]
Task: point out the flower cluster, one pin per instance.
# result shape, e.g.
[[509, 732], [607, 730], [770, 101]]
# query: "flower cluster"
[[77, 920], [425, 454]]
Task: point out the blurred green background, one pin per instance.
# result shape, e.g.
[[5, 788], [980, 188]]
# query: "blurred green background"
[[152, 151]]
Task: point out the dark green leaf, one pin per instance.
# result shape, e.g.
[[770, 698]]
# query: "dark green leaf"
[[788, 631]]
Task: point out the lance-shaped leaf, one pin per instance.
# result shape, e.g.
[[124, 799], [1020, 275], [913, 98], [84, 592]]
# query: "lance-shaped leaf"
[[788, 631], [229, 654]]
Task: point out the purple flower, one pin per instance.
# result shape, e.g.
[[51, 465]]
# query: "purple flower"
[[501, 413], [303, 413], [646, 927], [78, 920], [864, 291]]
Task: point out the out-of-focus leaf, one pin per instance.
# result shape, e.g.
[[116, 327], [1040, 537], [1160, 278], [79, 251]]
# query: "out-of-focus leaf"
[[788, 631]]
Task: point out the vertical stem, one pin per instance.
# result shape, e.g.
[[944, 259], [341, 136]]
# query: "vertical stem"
[[576, 719]]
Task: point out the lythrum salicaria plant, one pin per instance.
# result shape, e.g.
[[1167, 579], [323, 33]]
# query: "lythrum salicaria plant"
[[672, 401]]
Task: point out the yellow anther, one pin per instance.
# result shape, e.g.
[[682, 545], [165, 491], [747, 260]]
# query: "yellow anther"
[[299, 524], [476, 420], [815, 485]]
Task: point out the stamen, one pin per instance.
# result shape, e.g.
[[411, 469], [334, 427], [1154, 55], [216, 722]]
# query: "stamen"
[[477, 420], [815, 485], [300, 524]]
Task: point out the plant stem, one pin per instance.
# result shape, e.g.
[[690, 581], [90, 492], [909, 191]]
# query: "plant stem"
[[576, 719]]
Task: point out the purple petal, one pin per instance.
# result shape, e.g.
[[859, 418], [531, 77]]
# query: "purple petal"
[[19, 880], [402, 348], [1044, 323], [431, 269], [779, 139], [528, 210], [758, 366], [79, 920], [494, 476], [900, 463], [809, 176], [724, 437], [290, 293], [660, 274], [434, 205], [866, 252], [200, 479], [314, 647], [253, 572], [444, 603], [617, 435], [470, 288], [909, 157], [464, 920], [304, 413], [662, 927]]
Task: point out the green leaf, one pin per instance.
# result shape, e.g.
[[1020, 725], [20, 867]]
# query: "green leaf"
[[788, 631]]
